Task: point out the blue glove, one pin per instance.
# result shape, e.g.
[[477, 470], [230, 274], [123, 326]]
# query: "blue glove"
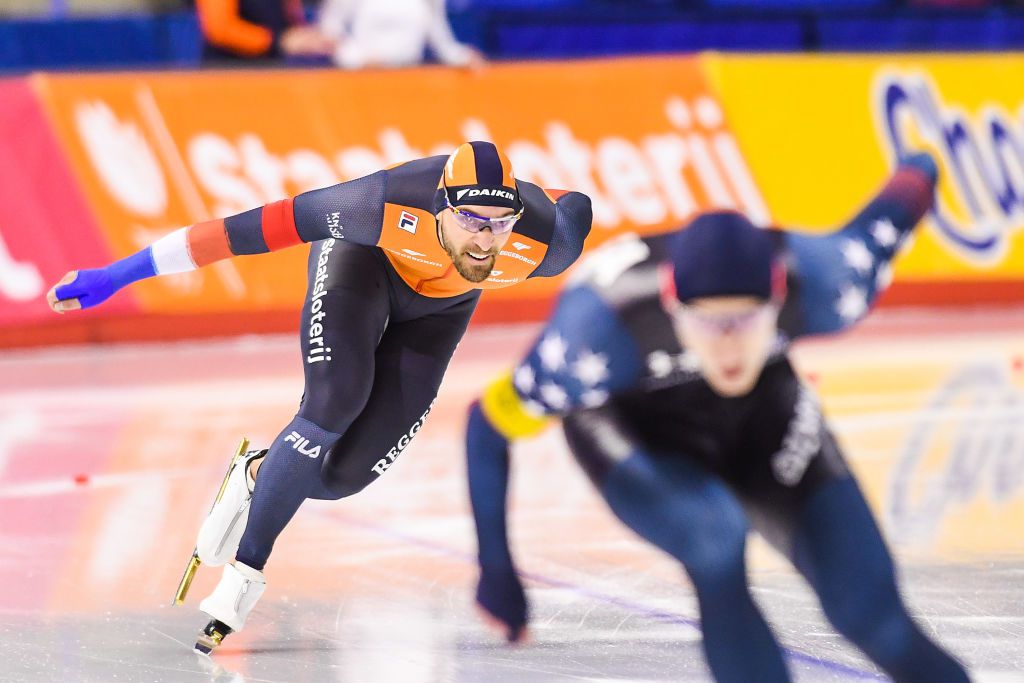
[[91, 288], [94, 286], [500, 594]]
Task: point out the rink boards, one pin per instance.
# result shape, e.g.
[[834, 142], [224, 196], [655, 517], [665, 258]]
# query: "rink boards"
[[95, 167]]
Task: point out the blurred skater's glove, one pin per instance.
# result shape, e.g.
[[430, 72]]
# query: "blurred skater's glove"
[[90, 288], [924, 162], [500, 594]]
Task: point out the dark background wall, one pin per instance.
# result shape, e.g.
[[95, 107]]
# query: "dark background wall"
[[165, 34]]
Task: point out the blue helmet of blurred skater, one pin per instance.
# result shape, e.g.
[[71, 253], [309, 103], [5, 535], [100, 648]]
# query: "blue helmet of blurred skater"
[[723, 254]]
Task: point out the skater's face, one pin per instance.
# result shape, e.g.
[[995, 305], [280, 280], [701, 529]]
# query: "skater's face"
[[731, 338], [473, 253]]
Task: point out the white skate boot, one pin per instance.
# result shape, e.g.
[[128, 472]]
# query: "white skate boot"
[[229, 604], [223, 527]]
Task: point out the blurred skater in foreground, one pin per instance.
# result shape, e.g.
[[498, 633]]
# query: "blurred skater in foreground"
[[666, 359]]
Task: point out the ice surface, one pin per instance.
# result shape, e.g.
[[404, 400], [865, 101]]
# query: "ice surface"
[[109, 457]]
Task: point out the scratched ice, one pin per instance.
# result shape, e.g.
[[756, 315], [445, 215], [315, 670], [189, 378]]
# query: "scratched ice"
[[109, 457]]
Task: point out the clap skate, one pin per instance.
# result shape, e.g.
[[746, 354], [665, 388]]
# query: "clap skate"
[[222, 529], [229, 605]]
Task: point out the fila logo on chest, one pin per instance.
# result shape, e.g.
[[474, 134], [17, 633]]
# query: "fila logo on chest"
[[408, 222]]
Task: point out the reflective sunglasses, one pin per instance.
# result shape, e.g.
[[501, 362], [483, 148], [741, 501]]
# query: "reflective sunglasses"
[[467, 220], [723, 323]]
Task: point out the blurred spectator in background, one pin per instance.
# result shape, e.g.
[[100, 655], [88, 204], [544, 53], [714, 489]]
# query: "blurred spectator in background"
[[258, 30], [393, 33]]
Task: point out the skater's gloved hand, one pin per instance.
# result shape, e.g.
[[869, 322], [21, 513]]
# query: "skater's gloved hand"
[[81, 289], [502, 602]]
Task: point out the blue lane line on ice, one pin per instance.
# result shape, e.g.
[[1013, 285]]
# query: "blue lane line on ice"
[[628, 605]]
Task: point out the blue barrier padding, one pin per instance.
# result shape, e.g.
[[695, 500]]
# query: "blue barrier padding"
[[941, 32], [551, 29], [552, 40], [182, 42], [516, 5], [86, 42], [818, 5], [11, 56]]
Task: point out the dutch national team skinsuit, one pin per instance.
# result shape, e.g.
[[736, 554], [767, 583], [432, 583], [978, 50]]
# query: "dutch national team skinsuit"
[[689, 469], [384, 310]]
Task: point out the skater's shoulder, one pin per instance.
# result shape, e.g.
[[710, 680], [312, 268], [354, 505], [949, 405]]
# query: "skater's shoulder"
[[414, 183], [586, 317], [623, 271], [427, 168], [582, 356], [558, 219]]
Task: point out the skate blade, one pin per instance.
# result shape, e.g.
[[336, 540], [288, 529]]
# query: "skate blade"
[[204, 646], [211, 637], [186, 579], [194, 561]]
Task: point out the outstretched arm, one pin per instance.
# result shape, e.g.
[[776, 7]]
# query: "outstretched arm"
[[351, 211], [836, 277], [582, 355], [499, 592]]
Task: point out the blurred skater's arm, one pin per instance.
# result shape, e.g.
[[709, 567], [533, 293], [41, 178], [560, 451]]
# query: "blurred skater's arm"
[[582, 356], [499, 594], [904, 199], [836, 277], [352, 211]]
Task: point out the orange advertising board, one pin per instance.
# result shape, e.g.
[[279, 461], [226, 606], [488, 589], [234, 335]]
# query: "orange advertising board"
[[646, 139]]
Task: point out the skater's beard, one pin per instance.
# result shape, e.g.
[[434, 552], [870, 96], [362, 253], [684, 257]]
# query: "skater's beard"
[[470, 268]]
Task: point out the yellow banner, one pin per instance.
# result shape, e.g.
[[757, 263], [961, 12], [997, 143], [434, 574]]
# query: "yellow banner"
[[818, 134]]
